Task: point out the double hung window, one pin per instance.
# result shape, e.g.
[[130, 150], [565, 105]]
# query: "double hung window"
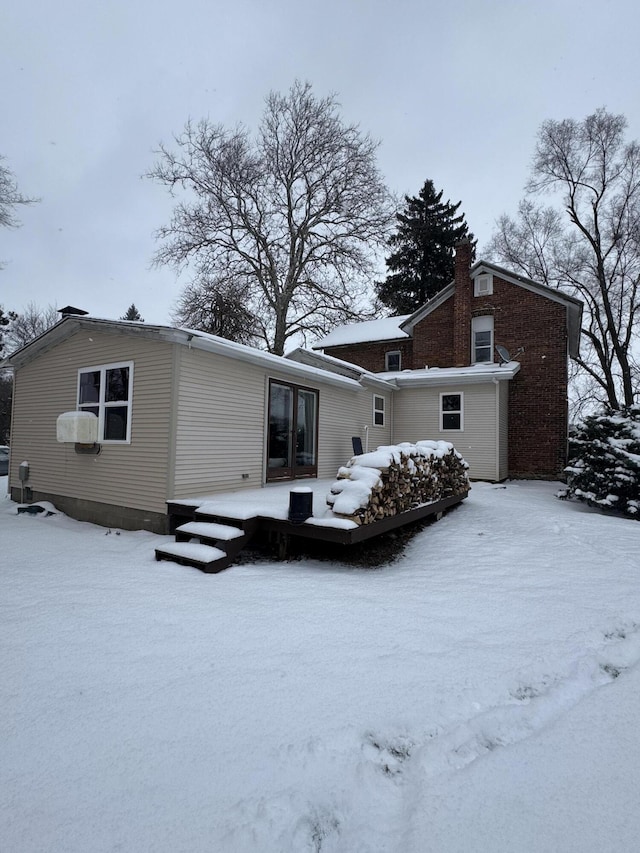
[[378, 410], [106, 390], [451, 412], [482, 338]]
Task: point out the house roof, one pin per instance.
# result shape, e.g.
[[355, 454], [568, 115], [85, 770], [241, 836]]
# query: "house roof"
[[573, 305], [68, 325], [428, 376], [401, 327], [433, 376], [337, 365], [385, 329]]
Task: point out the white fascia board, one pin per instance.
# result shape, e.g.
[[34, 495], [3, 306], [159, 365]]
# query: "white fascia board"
[[434, 376]]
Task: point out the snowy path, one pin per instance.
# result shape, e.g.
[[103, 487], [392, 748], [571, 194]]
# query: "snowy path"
[[480, 694]]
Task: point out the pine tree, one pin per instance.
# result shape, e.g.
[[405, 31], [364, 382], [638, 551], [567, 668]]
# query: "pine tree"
[[604, 469], [422, 261], [132, 314]]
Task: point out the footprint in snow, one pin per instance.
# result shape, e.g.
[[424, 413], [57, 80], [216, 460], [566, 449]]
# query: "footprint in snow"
[[538, 702]]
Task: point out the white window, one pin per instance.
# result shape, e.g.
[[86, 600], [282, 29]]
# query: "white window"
[[483, 285], [393, 360], [482, 338], [451, 413], [107, 390], [378, 410]]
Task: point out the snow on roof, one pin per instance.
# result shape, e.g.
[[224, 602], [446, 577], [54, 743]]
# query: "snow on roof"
[[335, 365], [386, 329], [484, 372], [190, 337]]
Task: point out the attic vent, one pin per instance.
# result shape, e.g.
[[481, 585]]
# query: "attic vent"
[[483, 285]]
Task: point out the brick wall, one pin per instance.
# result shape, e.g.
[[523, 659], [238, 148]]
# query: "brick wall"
[[433, 338], [538, 416], [371, 356], [462, 306]]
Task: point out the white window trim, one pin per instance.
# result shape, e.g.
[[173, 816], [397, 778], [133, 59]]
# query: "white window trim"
[[476, 326], [386, 359], [378, 410], [442, 412], [101, 403], [483, 285]]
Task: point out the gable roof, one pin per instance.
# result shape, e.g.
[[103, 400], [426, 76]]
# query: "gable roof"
[[401, 327], [70, 324], [573, 305]]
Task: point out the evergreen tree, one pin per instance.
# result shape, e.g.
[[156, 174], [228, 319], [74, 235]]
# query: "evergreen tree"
[[421, 263], [132, 314], [604, 469]]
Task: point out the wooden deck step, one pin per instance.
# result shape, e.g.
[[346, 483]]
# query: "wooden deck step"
[[207, 530], [202, 557]]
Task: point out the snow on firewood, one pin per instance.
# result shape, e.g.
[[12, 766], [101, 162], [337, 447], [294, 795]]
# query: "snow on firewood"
[[397, 478]]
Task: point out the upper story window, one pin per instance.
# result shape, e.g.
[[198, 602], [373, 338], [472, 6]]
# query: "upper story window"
[[393, 360], [482, 339], [107, 390], [451, 412], [378, 410], [483, 285]]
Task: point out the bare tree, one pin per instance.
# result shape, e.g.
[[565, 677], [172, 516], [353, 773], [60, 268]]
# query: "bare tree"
[[10, 199], [218, 307], [592, 249], [292, 216], [17, 330], [30, 324]]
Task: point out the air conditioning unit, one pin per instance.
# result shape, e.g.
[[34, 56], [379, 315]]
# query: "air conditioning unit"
[[77, 428]]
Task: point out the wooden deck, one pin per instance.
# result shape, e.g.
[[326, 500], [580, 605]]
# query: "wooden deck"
[[225, 523], [182, 512]]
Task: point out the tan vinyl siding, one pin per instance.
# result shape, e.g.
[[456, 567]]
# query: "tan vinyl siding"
[[503, 430], [417, 417], [220, 424], [132, 475], [344, 414], [222, 415]]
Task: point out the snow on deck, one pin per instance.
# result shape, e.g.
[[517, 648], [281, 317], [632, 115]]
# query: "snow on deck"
[[271, 501]]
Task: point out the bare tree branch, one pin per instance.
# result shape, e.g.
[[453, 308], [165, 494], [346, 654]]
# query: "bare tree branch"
[[293, 216], [593, 251]]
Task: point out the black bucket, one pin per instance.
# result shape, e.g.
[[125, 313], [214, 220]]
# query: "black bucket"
[[300, 504]]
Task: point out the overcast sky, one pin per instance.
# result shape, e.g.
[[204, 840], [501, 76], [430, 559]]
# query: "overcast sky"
[[454, 91]]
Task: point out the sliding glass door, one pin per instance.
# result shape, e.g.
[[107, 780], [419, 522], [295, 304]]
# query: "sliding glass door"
[[292, 442]]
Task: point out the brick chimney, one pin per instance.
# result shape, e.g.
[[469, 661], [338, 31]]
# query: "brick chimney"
[[462, 305]]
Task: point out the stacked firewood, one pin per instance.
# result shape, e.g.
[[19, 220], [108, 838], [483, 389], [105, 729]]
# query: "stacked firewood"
[[391, 480]]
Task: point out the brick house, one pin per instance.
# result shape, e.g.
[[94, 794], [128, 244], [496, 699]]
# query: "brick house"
[[442, 359]]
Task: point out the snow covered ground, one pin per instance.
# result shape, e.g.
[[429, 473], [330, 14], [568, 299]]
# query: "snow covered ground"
[[479, 694]]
